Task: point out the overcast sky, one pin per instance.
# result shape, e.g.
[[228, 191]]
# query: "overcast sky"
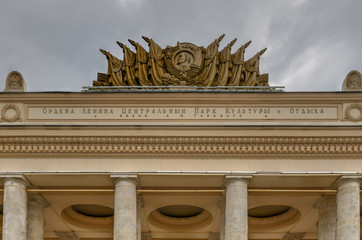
[[312, 44]]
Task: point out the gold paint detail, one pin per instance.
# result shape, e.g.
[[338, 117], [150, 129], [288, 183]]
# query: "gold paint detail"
[[87, 222], [11, 113], [193, 223], [275, 222], [183, 65], [175, 147], [351, 110]]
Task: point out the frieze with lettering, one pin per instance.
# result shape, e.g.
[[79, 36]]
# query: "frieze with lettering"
[[184, 113]]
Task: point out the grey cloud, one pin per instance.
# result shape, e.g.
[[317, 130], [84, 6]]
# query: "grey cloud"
[[54, 44]]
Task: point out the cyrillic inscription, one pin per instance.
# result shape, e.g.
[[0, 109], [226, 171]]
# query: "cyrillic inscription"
[[183, 113]]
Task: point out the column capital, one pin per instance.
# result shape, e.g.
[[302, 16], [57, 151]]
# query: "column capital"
[[325, 201], [16, 178], [346, 178], [36, 197], [237, 177], [125, 177], [293, 236]]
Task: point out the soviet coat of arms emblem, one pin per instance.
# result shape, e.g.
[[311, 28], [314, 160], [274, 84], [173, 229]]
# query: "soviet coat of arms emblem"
[[182, 65], [183, 61]]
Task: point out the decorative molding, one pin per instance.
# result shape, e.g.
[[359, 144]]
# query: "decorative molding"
[[4, 113], [164, 222], [179, 147], [87, 222], [275, 222], [349, 115]]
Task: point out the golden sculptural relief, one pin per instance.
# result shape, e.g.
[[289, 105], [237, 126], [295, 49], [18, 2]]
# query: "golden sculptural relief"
[[183, 65]]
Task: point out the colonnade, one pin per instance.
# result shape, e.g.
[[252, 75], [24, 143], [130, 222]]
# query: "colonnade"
[[23, 215]]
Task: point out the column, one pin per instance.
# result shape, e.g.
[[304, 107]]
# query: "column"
[[35, 225], [15, 209], [140, 205], [221, 205], [66, 236], [327, 217], [125, 208], [236, 209], [348, 209]]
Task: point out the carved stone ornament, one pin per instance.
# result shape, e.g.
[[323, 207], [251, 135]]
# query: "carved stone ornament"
[[125, 147], [15, 82], [10, 113], [353, 81], [182, 65], [353, 113]]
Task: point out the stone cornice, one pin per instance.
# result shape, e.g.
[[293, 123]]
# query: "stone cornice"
[[181, 97], [178, 147]]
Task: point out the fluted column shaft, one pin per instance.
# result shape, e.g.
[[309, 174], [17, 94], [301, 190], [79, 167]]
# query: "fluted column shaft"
[[236, 209], [125, 209], [35, 224], [15, 209], [348, 209]]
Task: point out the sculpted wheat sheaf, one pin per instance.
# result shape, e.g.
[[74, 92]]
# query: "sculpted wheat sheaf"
[[183, 65]]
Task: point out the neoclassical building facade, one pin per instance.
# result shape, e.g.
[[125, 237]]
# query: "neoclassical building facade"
[[180, 164]]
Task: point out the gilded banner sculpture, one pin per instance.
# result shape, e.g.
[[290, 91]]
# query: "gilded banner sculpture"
[[183, 65]]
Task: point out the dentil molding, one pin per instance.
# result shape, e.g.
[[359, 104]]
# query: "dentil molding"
[[181, 147]]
